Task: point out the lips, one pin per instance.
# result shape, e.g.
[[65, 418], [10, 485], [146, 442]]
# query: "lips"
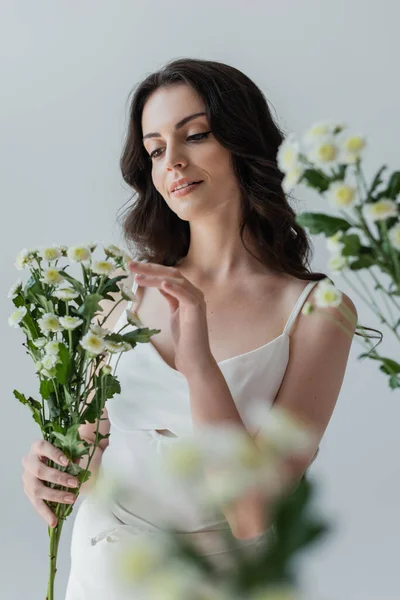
[[182, 182]]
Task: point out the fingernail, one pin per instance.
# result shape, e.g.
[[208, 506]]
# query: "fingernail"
[[72, 482], [64, 460]]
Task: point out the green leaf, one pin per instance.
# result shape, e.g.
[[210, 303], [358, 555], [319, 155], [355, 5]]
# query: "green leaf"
[[70, 442], [77, 285], [111, 284], [394, 382], [316, 179], [46, 388], [352, 244], [377, 180], [322, 223], [54, 409], [62, 367], [393, 188], [34, 406], [90, 306], [364, 262]]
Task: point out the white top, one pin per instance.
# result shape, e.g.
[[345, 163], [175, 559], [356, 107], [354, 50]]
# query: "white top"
[[156, 396]]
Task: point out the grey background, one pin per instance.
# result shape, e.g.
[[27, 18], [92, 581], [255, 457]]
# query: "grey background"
[[66, 71]]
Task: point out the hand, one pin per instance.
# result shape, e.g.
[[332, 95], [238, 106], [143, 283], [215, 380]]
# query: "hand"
[[36, 472], [188, 320]]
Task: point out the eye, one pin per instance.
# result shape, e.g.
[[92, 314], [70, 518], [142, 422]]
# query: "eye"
[[197, 137]]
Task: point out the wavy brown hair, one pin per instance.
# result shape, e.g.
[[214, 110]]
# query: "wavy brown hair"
[[241, 121]]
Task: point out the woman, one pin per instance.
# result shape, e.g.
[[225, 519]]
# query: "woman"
[[223, 273]]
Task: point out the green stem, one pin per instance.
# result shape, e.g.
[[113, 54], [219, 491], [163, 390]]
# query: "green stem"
[[54, 535]]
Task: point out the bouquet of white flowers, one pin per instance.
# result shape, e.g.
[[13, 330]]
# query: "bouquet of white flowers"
[[55, 311]]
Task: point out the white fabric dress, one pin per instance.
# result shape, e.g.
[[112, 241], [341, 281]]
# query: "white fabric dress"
[[156, 396]]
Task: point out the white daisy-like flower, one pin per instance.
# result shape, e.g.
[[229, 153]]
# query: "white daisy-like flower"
[[126, 260], [50, 373], [114, 347], [40, 342], [70, 323], [49, 323], [63, 249], [50, 253], [333, 242], [322, 129], [52, 276], [351, 148], [341, 195], [394, 236], [79, 254], [24, 258], [65, 293], [106, 370], [292, 178], [133, 318], [15, 319], [113, 250], [288, 154], [93, 343], [93, 245], [126, 292], [49, 361], [381, 210], [324, 153], [15, 289], [38, 366], [102, 267], [338, 263], [52, 348], [100, 331], [326, 295]]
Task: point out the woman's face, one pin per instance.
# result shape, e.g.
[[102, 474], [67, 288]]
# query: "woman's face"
[[175, 154]]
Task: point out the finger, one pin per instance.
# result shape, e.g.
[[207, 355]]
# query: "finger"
[[44, 449], [45, 473], [45, 512], [47, 493]]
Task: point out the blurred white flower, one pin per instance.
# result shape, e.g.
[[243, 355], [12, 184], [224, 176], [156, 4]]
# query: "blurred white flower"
[[140, 557], [381, 210], [40, 342], [49, 323], [337, 263], [102, 267], [333, 242], [15, 319], [288, 154], [52, 276], [79, 253], [100, 331], [322, 129], [15, 289], [351, 148], [65, 293], [24, 258], [292, 178], [49, 361], [52, 347], [326, 294], [307, 308], [115, 347], [106, 370], [133, 318], [126, 292], [92, 343], [113, 250], [324, 153], [50, 253], [341, 195], [70, 323], [394, 236]]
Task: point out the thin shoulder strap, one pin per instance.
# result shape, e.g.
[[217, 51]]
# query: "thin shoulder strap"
[[298, 306]]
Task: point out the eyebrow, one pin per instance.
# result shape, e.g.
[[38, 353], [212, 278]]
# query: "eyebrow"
[[178, 125]]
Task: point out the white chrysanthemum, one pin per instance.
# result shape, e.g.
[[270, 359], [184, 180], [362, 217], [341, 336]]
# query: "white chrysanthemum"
[[115, 347], [100, 331], [24, 258], [79, 253], [52, 348], [38, 366], [288, 154], [63, 249], [50, 253], [322, 129], [70, 323], [326, 294], [106, 370], [381, 210], [126, 292], [40, 342], [324, 153], [52, 277], [113, 250], [102, 267], [50, 373], [65, 293], [333, 242], [49, 322], [341, 195], [49, 361], [92, 343], [15, 289], [126, 260], [394, 236], [351, 148], [338, 263], [93, 245], [15, 319], [292, 178], [307, 308], [133, 319]]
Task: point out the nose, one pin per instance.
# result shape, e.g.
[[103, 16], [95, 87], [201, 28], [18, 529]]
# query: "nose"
[[173, 160]]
